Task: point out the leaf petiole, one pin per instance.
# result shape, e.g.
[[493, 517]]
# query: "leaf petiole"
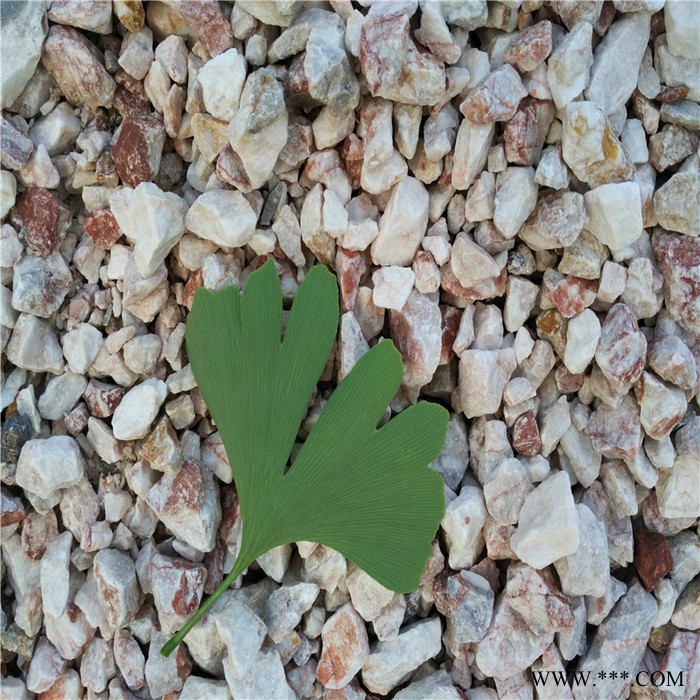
[[240, 565]]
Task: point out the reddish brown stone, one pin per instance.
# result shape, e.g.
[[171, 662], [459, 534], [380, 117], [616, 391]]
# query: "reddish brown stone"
[[532, 47], [36, 532], [353, 154], [102, 399], [568, 383], [526, 132], [622, 348], [138, 149], [11, 510], [102, 228], [206, 18], [350, 267], [552, 326], [230, 528], [229, 168], [526, 435], [672, 94], [194, 282], [44, 219], [451, 316], [652, 557], [15, 147], [130, 105]]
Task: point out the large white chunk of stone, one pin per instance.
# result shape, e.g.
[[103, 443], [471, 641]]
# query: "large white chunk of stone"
[[582, 335], [587, 570], [392, 286], [222, 216], [569, 65], [516, 197], [154, 220], [81, 346], [682, 21], [24, 28], [222, 80], [49, 464], [61, 395], [55, 574], [403, 224], [138, 409], [616, 62], [615, 214], [548, 525], [390, 662], [462, 524], [483, 374], [258, 132]]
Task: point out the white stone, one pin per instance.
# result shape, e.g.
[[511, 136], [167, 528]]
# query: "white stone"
[[582, 334], [40, 284], [470, 262], [470, 152], [49, 464], [222, 80], [242, 633], [505, 491], [45, 669], [615, 214], [153, 219], [81, 346], [390, 662], [682, 22], [392, 286], [403, 224], [33, 346], [462, 524], [587, 570], [548, 524], [555, 420], [57, 130], [570, 64], [55, 574], [258, 132], [23, 32], [516, 197], [483, 375], [8, 193], [137, 410], [61, 395], [171, 53], [285, 608], [136, 54], [617, 60], [222, 216], [196, 688], [265, 678], [634, 141], [678, 487]]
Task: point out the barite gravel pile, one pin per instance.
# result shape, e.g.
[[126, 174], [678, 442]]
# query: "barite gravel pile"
[[508, 191]]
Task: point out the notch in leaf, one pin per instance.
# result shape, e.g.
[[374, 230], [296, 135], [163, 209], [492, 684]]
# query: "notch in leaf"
[[364, 491]]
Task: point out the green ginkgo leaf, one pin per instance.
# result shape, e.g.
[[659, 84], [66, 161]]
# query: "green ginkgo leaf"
[[365, 491]]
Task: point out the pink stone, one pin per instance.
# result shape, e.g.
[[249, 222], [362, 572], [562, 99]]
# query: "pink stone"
[[679, 259], [416, 330], [102, 228], [206, 18], [571, 295], [622, 348], [526, 132], [75, 64], [44, 218], [345, 648], [384, 43], [177, 586], [496, 98], [138, 149], [350, 267], [616, 432], [532, 47], [129, 659]]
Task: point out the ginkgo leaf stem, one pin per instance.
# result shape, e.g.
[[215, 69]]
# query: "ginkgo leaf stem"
[[241, 564]]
